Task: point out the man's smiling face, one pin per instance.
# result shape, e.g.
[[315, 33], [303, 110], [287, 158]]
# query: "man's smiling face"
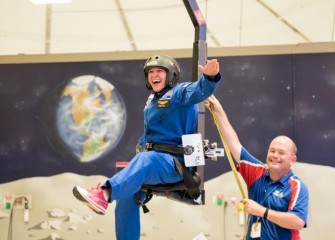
[[281, 156]]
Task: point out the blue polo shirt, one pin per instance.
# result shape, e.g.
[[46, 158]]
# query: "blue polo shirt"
[[288, 194]]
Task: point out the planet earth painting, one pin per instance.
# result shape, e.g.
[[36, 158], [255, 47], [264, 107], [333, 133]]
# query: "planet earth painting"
[[90, 117]]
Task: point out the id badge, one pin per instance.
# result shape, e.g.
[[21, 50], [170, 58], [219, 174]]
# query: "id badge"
[[197, 158], [256, 230]]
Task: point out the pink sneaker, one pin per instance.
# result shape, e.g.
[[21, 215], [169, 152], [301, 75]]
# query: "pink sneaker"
[[94, 198]]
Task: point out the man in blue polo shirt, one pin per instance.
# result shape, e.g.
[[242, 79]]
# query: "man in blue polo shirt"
[[278, 200]]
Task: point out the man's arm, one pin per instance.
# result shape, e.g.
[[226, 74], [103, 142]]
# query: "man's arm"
[[225, 127], [284, 219]]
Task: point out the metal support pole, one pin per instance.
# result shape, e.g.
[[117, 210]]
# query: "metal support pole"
[[199, 57]]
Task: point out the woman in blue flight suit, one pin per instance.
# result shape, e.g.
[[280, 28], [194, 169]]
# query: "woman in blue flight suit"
[[170, 112]]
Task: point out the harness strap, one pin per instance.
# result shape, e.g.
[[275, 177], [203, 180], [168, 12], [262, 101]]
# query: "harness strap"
[[147, 198], [191, 185], [188, 150]]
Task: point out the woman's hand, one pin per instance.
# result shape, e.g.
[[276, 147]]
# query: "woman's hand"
[[211, 69]]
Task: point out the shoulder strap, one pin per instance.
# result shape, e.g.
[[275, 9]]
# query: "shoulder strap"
[[191, 179]]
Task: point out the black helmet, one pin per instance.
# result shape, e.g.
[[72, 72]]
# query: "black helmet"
[[169, 64]]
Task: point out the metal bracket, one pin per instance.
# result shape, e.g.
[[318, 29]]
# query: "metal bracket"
[[211, 150]]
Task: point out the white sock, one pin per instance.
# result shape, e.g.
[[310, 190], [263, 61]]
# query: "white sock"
[[106, 195]]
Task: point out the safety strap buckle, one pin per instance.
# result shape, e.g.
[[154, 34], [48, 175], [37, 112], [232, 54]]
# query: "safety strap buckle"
[[149, 146], [188, 150]]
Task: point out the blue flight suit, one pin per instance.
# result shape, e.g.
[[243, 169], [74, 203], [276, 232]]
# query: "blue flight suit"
[[167, 116]]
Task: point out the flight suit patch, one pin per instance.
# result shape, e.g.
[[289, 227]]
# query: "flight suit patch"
[[165, 103]]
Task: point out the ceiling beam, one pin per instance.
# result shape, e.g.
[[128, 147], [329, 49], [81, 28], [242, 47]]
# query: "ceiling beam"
[[126, 25], [47, 39], [277, 15]]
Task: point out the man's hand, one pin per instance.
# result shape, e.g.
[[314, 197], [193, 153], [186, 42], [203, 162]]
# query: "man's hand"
[[253, 208]]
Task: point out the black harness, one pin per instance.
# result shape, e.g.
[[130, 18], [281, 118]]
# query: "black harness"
[[188, 188], [188, 150]]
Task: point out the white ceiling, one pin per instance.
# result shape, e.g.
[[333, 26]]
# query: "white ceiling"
[[137, 25]]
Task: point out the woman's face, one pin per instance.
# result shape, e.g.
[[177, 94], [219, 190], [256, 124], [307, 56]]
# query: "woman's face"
[[157, 78]]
